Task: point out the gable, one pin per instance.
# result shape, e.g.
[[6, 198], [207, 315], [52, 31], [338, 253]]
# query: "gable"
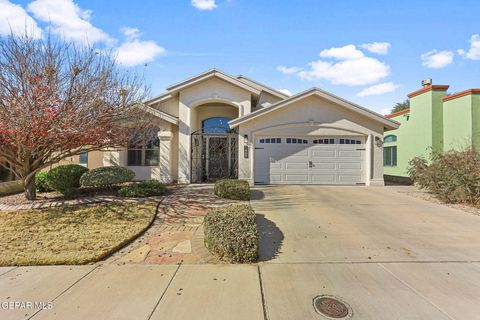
[[327, 98]]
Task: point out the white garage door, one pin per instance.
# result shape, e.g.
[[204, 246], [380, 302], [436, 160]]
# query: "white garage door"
[[302, 160]]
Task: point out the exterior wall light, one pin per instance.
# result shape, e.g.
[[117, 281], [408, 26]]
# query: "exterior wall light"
[[378, 142]]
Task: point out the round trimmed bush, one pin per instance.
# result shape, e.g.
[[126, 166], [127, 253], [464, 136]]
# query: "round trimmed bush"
[[232, 189], [65, 179], [106, 176], [41, 182], [231, 233], [149, 188]]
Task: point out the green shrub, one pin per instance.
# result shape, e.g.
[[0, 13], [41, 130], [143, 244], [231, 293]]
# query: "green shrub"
[[452, 176], [232, 189], [106, 176], [231, 232], [41, 182], [149, 188], [65, 179]]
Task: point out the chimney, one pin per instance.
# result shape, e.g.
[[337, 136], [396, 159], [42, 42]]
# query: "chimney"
[[426, 82]]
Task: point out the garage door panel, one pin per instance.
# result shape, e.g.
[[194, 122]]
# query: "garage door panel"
[[349, 179], [350, 165], [276, 165], [323, 178], [349, 154], [323, 165], [275, 178], [323, 153], [329, 163], [296, 178], [296, 165]]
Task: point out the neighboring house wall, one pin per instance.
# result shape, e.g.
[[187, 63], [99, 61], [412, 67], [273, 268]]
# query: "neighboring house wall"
[[458, 123], [435, 122]]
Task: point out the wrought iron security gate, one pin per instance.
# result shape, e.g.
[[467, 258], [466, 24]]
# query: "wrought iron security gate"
[[214, 155]]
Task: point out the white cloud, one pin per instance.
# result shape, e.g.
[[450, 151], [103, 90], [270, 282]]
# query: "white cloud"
[[377, 47], [204, 4], [349, 52], [437, 59], [134, 52], [378, 89], [288, 70], [14, 19], [347, 66], [67, 19], [285, 91], [473, 52]]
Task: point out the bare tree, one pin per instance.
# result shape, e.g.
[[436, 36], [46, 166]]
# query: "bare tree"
[[58, 99]]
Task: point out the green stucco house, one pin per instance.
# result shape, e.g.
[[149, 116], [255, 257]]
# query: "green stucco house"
[[435, 121]]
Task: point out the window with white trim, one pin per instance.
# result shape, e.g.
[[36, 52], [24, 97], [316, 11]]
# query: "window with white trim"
[[324, 141], [271, 140], [147, 154], [350, 141], [296, 141], [390, 156]]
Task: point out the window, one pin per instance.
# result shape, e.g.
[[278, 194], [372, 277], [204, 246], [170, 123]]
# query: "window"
[[390, 156], [350, 141], [324, 141], [271, 140], [296, 141], [83, 158], [147, 154], [216, 125], [390, 138]]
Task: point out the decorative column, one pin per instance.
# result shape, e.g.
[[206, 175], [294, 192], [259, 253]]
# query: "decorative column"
[[165, 138]]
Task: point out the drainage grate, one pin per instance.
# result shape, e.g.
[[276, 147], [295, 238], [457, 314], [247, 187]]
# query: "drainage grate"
[[331, 307]]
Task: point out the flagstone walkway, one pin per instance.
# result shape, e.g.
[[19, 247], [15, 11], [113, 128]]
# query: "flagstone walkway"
[[176, 235]]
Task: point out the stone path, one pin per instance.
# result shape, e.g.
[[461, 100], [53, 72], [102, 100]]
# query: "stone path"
[[176, 235]]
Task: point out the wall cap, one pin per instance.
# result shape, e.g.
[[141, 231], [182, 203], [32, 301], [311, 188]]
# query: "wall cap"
[[427, 89], [461, 94]]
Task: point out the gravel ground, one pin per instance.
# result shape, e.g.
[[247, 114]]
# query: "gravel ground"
[[417, 193]]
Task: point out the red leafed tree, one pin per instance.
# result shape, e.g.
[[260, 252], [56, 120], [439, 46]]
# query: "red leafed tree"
[[58, 99]]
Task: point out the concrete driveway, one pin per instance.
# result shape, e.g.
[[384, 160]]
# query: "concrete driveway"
[[385, 253]]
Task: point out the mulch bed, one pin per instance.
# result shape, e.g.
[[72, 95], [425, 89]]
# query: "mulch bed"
[[46, 197]]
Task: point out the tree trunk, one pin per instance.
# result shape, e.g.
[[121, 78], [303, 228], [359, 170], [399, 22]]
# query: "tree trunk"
[[30, 191]]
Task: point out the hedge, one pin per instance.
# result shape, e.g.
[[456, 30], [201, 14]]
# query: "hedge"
[[41, 182], [65, 179], [149, 188], [106, 176], [452, 176], [232, 189], [231, 233]]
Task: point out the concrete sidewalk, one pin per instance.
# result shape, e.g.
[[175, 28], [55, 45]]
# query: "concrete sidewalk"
[[264, 291], [387, 255]]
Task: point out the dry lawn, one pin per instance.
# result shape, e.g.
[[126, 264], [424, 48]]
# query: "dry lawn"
[[71, 235]]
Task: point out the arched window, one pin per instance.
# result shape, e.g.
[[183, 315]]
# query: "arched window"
[[216, 125], [390, 138]]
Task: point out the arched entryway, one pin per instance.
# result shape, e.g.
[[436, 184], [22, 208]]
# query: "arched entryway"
[[214, 151]]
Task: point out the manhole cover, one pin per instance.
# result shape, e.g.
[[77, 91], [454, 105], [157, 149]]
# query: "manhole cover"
[[330, 307]]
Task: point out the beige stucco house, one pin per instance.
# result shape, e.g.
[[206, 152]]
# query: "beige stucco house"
[[215, 125]]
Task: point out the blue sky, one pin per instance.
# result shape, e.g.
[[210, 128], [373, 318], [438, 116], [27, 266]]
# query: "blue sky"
[[370, 52]]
